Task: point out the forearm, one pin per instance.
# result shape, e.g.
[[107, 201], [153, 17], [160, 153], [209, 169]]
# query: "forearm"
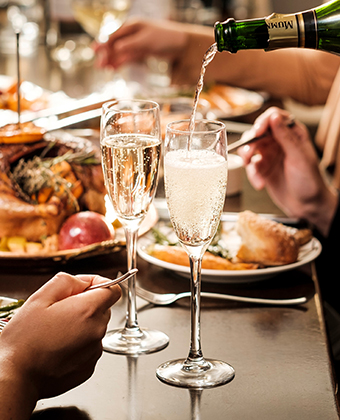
[[18, 396], [304, 75], [322, 214]]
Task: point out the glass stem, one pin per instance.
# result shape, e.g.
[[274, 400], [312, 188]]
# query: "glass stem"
[[195, 353], [131, 325]]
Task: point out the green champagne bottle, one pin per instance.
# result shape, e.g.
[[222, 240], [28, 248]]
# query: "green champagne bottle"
[[317, 28]]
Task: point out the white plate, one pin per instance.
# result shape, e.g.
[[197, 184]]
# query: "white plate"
[[236, 102], [4, 301], [220, 101], [307, 253]]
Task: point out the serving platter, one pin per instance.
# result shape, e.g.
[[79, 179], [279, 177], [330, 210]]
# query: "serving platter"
[[307, 253], [101, 248]]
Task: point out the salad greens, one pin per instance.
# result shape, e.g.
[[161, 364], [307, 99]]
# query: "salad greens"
[[216, 246]]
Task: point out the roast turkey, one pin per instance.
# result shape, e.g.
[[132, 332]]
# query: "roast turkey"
[[22, 215]]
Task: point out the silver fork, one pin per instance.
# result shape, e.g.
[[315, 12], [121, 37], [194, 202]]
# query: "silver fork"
[[120, 278], [168, 298]]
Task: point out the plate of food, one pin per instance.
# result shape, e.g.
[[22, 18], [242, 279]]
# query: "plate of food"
[[51, 186], [33, 98], [229, 102], [216, 101], [252, 248]]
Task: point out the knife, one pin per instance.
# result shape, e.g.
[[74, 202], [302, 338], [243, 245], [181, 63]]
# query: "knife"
[[75, 119]]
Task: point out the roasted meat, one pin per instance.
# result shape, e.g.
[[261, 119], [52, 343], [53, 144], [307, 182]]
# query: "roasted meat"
[[20, 214]]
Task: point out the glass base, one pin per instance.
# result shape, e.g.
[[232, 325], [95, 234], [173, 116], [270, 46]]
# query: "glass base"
[[141, 342], [207, 374]]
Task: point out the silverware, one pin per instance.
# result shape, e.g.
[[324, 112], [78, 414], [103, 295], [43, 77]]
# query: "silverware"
[[117, 280], [75, 119], [17, 33], [168, 298], [242, 142], [71, 108]]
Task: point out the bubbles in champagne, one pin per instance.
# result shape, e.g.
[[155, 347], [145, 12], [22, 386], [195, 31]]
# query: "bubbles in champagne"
[[130, 165], [195, 185]]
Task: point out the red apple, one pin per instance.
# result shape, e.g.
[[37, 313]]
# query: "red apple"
[[84, 228]]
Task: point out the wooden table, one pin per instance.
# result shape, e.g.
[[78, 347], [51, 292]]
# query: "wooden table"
[[280, 354]]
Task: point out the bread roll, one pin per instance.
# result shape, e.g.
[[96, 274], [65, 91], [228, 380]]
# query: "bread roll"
[[265, 241]]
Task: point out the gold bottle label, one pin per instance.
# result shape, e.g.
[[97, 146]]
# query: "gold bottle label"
[[285, 31]]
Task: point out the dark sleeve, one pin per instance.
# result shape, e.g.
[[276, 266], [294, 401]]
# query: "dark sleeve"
[[334, 232], [327, 263]]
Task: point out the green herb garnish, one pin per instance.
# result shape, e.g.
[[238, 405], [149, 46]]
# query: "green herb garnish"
[[214, 248], [7, 310]]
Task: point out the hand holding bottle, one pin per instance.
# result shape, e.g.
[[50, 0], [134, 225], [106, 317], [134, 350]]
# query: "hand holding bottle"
[[286, 164], [316, 28]]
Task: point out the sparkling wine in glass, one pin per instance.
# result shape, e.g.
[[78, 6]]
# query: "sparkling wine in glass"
[[195, 177], [130, 138], [100, 18]]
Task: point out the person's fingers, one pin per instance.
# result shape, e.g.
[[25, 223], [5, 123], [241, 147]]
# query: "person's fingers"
[[128, 29], [260, 127], [61, 286], [99, 300], [93, 278], [274, 125], [110, 52], [290, 138], [254, 176], [64, 285], [283, 134], [249, 150]]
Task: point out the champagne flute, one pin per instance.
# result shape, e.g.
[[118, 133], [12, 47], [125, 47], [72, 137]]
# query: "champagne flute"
[[130, 138], [100, 18], [195, 176]]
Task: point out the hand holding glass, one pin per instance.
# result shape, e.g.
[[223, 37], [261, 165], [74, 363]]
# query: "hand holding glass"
[[130, 139], [195, 176]]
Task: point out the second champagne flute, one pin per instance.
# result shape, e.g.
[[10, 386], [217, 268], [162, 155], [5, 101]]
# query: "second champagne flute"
[[130, 137], [195, 178]]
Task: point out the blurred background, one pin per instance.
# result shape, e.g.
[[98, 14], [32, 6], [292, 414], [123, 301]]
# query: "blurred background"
[[57, 35], [54, 22], [50, 21]]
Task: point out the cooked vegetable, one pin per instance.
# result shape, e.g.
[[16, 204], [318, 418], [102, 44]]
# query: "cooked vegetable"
[[7, 311], [38, 179], [215, 247], [16, 244]]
